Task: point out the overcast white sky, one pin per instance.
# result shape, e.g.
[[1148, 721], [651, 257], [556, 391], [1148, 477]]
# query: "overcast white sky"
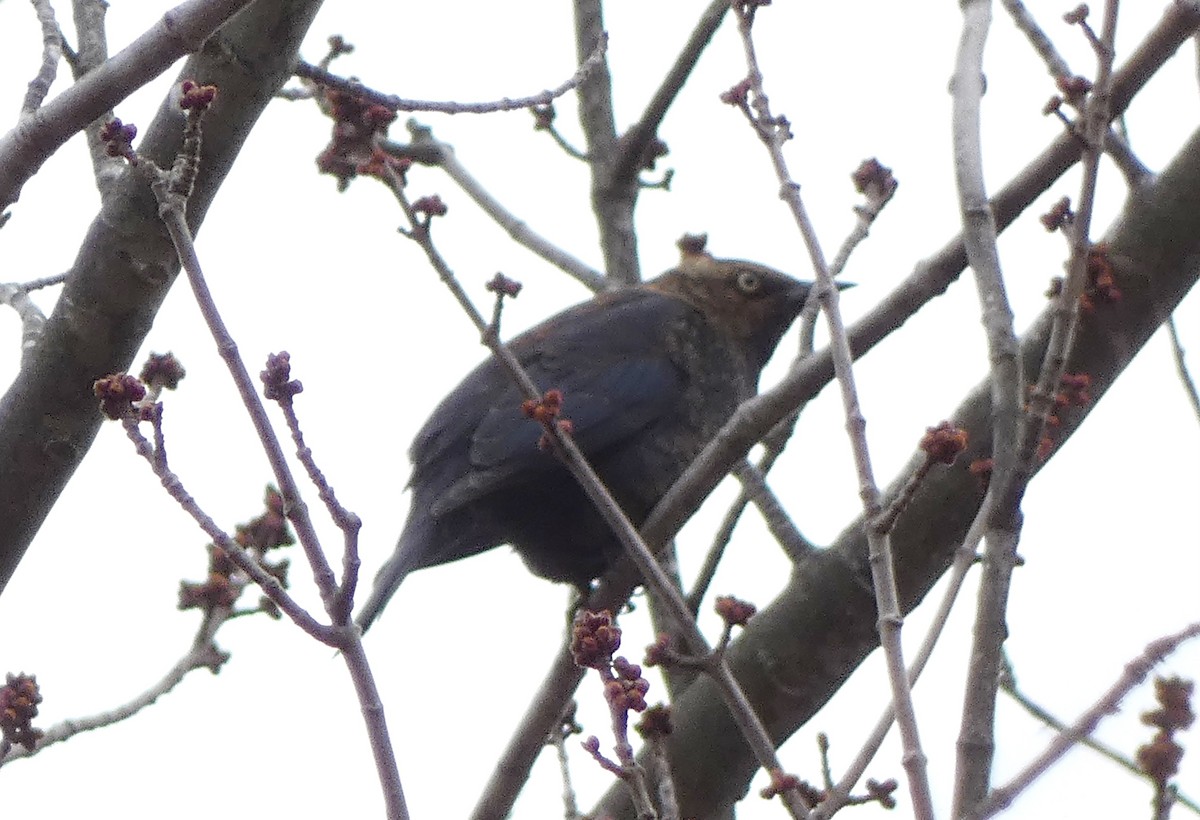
[[1113, 555]]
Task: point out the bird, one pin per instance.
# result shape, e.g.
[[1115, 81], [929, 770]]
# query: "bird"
[[647, 376]]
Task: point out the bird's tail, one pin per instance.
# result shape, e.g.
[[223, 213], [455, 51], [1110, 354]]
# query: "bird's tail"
[[393, 571]]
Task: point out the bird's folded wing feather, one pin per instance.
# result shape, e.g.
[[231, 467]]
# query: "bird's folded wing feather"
[[610, 361]]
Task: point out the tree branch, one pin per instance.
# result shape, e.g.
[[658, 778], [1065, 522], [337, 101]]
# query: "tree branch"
[[48, 417]]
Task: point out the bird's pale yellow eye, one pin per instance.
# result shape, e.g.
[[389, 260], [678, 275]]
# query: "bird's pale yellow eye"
[[749, 282]]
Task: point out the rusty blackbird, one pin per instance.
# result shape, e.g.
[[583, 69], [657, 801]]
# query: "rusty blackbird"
[[648, 374]]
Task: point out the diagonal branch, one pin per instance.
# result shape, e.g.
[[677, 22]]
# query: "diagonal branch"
[[635, 141], [181, 31], [823, 624], [757, 417], [48, 417]]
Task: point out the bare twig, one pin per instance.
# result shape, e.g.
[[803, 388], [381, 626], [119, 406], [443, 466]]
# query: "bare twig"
[[756, 417], [396, 103], [635, 548], [1185, 376], [32, 319], [237, 554], [636, 140], [92, 34], [1116, 144], [930, 278], [180, 31], [1037, 37], [294, 506], [754, 484], [544, 121], [613, 199], [778, 438], [964, 559], [346, 521], [1109, 703], [518, 229], [1008, 685], [1014, 446], [172, 191], [39, 86], [1002, 528], [774, 131], [203, 654]]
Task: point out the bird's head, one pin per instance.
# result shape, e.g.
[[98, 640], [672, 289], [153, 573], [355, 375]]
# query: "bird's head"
[[752, 303]]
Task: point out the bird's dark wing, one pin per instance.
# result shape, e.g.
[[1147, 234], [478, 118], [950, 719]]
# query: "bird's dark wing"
[[611, 360]]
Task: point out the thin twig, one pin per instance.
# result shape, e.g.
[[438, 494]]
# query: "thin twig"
[[345, 520], [203, 654], [774, 130], [1008, 684], [322, 77], [39, 86], [1116, 145], [754, 484], [92, 36], [179, 32], [1109, 703], [635, 141], [757, 416], [613, 199], [1185, 376], [964, 559], [651, 572], [171, 191], [172, 211], [1037, 37], [16, 296], [237, 553], [516, 228], [976, 744]]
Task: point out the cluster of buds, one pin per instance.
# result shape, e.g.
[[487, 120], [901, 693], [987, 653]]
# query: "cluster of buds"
[[739, 94], [118, 393], [430, 206], [874, 180], [943, 443], [734, 611], [196, 98], [270, 530], [545, 411], [503, 286], [1059, 216], [162, 371], [221, 589], [655, 723], [218, 591], [278, 385], [353, 148], [1101, 285], [1160, 758], [1074, 390], [626, 691], [595, 636], [19, 698], [118, 137]]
